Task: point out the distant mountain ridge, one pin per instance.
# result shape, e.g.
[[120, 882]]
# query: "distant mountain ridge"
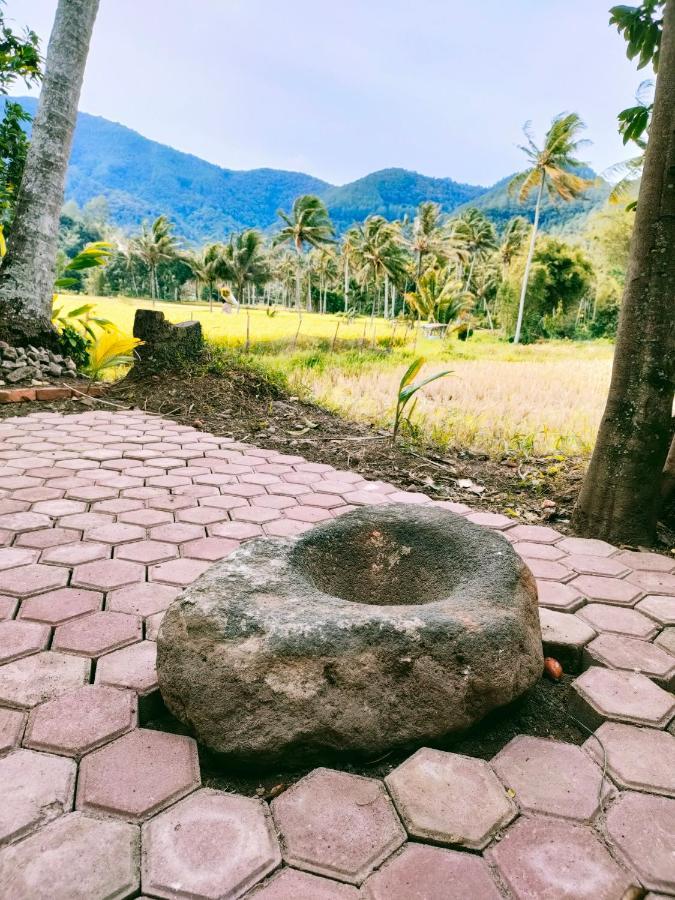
[[142, 179]]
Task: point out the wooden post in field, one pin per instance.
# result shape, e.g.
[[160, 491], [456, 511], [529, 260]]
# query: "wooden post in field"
[[248, 330]]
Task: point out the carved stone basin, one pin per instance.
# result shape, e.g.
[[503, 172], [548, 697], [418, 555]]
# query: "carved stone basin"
[[391, 624]]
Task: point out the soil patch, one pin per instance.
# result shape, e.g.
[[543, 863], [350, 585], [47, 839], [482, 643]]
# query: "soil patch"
[[542, 712]]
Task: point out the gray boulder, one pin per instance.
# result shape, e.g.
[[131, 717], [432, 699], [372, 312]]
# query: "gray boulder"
[[389, 625]]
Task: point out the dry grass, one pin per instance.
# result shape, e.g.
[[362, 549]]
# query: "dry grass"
[[541, 399]]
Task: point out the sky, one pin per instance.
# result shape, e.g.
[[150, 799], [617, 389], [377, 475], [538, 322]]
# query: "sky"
[[341, 89]]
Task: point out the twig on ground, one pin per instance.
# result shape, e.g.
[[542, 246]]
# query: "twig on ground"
[[95, 399]]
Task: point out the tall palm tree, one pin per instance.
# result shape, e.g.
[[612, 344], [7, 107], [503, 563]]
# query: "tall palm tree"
[[156, 245], [551, 167], [27, 275], [308, 224], [513, 238], [477, 233], [379, 254], [428, 234], [244, 262]]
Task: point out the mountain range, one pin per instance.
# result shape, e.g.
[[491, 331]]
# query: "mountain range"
[[141, 179]]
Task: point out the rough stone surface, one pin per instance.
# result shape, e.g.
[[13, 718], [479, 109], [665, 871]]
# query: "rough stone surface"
[[209, 845], [449, 799], [165, 346], [545, 858], [338, 825], [374, 629], [73, 858]]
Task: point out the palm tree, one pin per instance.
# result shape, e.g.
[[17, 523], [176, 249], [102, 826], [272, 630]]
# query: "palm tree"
[[513, 238], [308, 224], [440, 297], [324, 263], [551, 168], [153, 246], [478, 236], [244, 262], [428, 234], [27, 276], [379, 254]]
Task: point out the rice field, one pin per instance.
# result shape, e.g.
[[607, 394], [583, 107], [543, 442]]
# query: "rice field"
[[542, 399]]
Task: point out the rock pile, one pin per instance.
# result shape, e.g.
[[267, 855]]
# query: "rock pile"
[[33, 365]]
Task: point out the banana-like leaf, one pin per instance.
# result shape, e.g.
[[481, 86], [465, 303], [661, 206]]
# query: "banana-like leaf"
[[412, 389], [411, 371]]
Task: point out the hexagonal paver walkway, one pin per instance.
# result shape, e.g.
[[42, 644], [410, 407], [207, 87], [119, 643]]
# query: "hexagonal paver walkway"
[[106, 516]]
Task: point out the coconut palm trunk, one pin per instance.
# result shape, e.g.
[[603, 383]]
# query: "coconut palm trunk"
[[622, 492], [530, 254], [27, 275]]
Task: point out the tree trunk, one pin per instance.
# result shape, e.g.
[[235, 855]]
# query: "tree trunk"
[[530, 254], [346, 283], [27, 274], [621, 494]]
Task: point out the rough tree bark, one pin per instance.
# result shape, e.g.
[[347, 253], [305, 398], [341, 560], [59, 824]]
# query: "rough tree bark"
[[27, 274], [622, 491]]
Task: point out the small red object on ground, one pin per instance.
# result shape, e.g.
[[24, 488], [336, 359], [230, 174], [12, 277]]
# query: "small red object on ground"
[[553, 668]]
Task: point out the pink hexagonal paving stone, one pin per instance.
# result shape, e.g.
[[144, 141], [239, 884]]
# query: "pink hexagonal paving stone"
[[57, 508], [47, 537], [116, 533], [618, 651], [541, 534], [59, 606], [24, 521], [210, 548], [146, 518], [203, 515], [11, 557], [33, 579], [309, 514], [20, 638], [107, 574], [8, 607], [548, 569], [177, 532], [169, 503], [323, 501], [653, 582], [144, 599], [532, 550], [147, 552], [35, 788], [98, 633], [33, 679], [586, 546], [81, 721], [543, 857], [133, 668], [661, 609], [291, 883], [564, 637], [256, 515], [449, 799], [585, 564], [650, 562], [570, 788], [665, 639], [335, 824], [12, 722], [640, 828], [562, 597], [642, 759], [179, 571], [183, 847], [137, 775], [88, 521], [152, 624], [92, 493], [601, 694], [237, 531], [608, 590], [365, 497], [286, 527], [75, 554], [433, 874], [616, 619], [74, 858]]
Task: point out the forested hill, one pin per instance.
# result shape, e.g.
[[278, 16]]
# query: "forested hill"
[[141, 179]]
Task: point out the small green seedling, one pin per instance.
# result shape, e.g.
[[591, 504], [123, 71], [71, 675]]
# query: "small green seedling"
[[407, 390]]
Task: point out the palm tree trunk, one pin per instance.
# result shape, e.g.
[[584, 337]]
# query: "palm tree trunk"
[[621, 495], [469, 276], [530, 254], [346, 283], [27, 275]]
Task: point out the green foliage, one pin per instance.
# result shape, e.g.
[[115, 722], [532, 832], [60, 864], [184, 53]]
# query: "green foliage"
[[308, 224], [243, 261], [92, 256], [110, 350], [440, 297], [73, 343], [641, 26], [407, 390], [19, 55]]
